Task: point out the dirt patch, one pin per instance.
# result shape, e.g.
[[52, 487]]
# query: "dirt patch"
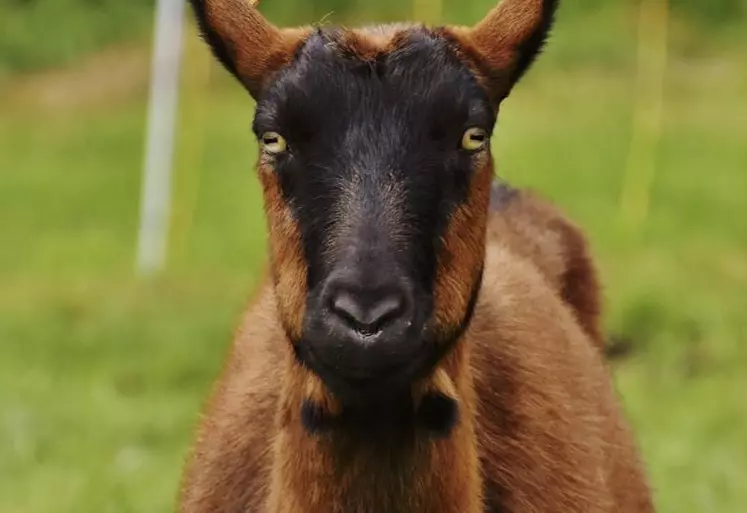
[[111, 75]]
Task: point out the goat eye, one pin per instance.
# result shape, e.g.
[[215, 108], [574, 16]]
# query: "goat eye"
[[474, 139], [273, 143]]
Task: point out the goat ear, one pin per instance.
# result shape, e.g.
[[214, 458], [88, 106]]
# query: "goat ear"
[[248, 45], [509, 39]]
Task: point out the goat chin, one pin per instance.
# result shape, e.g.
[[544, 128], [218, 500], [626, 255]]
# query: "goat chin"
[[434, 399]]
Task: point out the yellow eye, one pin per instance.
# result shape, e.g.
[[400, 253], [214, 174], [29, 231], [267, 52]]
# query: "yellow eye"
[[474, 139], [273, 143]]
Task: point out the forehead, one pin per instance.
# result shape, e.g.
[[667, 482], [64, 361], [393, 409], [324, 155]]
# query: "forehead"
[[389, 71]]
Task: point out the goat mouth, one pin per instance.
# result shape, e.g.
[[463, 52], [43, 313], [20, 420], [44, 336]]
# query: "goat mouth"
[[365, 384]]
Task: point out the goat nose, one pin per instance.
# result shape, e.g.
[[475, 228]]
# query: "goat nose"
[[368, 312]]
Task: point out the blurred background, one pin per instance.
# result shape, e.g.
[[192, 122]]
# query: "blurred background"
[[635, 122]]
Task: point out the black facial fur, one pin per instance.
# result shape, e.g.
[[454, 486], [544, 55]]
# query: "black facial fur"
[[374, 169], [374, 147]]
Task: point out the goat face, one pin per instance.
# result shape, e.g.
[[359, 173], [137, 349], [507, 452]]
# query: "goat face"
[[376, 171], [382, 165]]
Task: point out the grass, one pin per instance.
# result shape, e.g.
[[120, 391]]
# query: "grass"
[[41, 33], [102, 376]]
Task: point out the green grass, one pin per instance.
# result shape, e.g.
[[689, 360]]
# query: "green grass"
[[102, 376], [40, 33]]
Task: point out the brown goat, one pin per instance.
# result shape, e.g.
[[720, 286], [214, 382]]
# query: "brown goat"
[[428, 340]]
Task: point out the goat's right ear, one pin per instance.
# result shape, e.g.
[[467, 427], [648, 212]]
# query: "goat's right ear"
[[248, 45], [508, 40]]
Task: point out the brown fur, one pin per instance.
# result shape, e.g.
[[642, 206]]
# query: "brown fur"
[[551, 434], [539, 232], [463, 250], [345, 471], [368, 43], [492, 48], [255, 47], [364, 45], [504, 29], [539, 420], [286, 253]]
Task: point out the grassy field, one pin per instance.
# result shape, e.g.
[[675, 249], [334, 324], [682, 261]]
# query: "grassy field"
[[102, 375]]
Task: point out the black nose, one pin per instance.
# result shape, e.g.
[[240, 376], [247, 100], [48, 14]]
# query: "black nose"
[[367, 311]]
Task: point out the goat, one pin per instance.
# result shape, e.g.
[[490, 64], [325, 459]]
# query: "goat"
[[427, 340]]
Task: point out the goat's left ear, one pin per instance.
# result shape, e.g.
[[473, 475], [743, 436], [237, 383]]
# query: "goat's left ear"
[[508, 40]]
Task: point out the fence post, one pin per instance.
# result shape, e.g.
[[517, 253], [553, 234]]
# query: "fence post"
[[159, 149]]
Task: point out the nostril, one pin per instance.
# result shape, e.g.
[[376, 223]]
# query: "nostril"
[[367, 317], [387, 310], [344, 306]]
